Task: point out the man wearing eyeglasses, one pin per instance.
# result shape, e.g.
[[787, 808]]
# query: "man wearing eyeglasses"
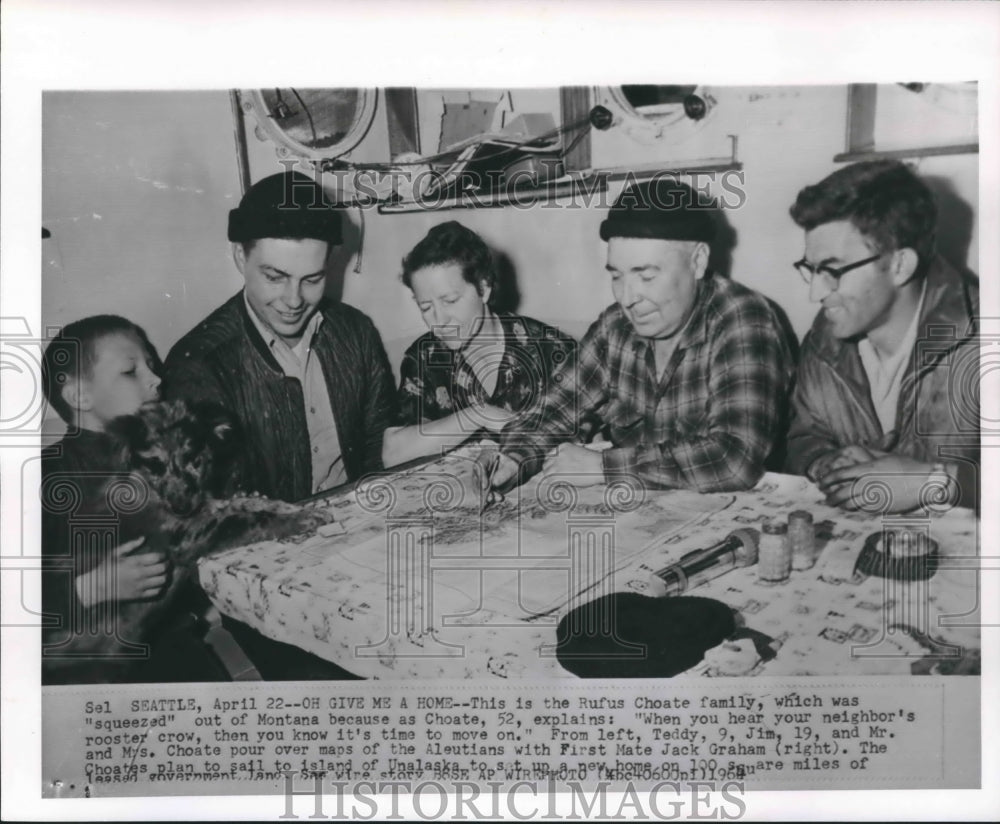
[[885, 409]]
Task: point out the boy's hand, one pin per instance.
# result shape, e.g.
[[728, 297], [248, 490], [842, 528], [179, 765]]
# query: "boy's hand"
[[136, 575]]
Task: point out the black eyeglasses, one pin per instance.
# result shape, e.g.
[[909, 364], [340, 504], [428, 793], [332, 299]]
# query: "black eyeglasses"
[[808, 271]]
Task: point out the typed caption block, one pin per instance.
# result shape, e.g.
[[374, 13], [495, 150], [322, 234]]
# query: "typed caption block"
[[237, 739]]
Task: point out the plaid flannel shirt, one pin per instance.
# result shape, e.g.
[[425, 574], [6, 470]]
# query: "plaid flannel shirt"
[[708, 424]]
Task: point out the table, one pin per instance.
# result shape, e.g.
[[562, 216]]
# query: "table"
[[419, 586]]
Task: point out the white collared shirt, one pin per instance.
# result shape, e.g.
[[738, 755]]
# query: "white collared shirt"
[[885, 376], [298, 362]]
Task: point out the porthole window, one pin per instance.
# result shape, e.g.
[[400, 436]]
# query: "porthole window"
[[666, 114], [315, 124]]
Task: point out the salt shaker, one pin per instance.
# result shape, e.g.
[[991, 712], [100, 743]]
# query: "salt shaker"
[[774, 560]]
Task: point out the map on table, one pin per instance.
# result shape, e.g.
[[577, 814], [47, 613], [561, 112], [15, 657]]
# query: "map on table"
[[529, 555], [419, 586]]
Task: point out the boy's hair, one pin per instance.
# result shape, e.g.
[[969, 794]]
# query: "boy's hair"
[[883, 199], [72, 353]]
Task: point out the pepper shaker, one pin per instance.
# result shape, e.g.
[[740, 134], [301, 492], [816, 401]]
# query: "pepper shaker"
[[802, 537]]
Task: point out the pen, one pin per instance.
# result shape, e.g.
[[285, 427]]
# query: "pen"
[[488, 486]]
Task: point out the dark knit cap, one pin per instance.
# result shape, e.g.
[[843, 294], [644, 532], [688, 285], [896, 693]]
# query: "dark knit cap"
[[627, 635], [662, 209], [285, 205]]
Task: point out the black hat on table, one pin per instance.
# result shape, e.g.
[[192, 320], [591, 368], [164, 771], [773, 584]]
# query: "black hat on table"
[[662, 209], [627, 635], [285, 205]]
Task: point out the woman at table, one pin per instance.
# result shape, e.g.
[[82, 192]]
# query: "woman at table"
[[476, 368]]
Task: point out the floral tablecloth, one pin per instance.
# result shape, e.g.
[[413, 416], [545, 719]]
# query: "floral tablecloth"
[[419, 585]]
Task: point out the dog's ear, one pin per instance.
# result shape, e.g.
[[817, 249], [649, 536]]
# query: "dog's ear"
[[223, 430], [131, 434], [225, 440], [219, 422]]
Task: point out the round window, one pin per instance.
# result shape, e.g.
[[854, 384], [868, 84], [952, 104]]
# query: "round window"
[[317, 124], [658, 113]]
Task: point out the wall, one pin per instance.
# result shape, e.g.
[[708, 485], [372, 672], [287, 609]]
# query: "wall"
[[135, 190], [137, 187], [787, 137]]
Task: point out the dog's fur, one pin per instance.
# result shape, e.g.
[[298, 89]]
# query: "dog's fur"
[[180, 457]]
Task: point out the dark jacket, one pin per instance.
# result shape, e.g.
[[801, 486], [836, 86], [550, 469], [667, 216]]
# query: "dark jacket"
[[76, 520], [938, 414], [91, 504], [224, 360]]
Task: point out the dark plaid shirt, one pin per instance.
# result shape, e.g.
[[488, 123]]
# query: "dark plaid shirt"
[[707, 424], [436, 381]]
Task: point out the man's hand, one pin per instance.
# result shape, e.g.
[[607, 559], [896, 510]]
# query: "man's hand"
[[492, 472], [887, 483], [837, 459], [581, 466], [137, 575]]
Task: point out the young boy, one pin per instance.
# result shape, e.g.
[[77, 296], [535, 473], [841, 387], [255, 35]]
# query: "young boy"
[[94, 371]]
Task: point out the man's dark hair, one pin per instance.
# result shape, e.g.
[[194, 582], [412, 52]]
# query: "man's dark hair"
[[452, 243], [72, 353], [883, 199]]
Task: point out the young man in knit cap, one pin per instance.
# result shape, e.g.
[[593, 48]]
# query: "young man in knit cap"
[[307, 377], [687, 371], [886, 400]]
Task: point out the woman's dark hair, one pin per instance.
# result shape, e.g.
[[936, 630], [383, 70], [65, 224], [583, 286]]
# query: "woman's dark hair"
[[72, 353], [452, 243], [883, 199]]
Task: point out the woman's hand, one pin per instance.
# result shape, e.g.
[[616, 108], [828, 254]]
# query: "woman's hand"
[[489, 417], [404, 443]]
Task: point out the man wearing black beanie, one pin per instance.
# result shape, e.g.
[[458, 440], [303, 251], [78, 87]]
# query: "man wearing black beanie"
[[686, 372], [306, 377]]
